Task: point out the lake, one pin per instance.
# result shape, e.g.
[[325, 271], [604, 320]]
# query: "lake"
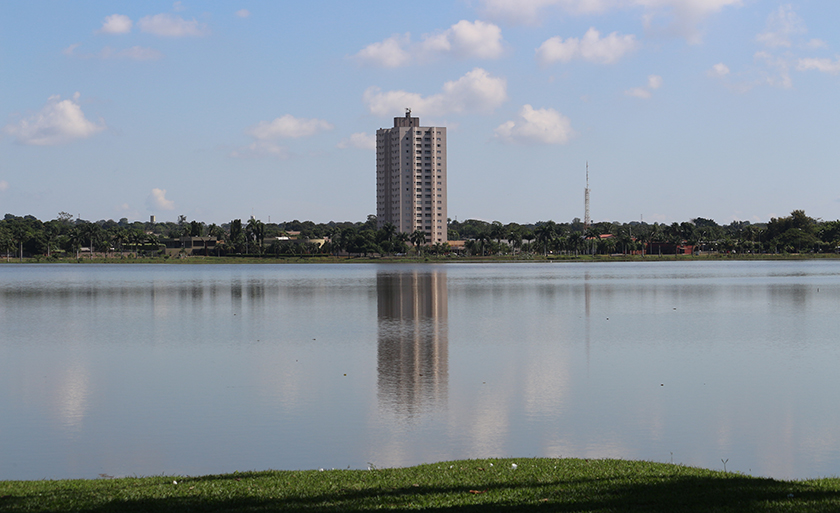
[[196, 369]]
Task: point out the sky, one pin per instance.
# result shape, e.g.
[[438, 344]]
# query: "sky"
[[722, 109]]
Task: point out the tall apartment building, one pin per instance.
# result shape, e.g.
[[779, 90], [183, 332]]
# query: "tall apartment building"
[[411, 178]]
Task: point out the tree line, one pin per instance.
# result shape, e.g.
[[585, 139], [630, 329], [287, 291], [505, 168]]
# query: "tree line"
[[65, 236]]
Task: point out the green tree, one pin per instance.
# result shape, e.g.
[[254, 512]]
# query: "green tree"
[[7, 242], [237, 235], [255, 232], [545, 233], [418, 238]]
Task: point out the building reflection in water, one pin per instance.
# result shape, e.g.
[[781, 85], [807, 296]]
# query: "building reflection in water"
[[413, 341]]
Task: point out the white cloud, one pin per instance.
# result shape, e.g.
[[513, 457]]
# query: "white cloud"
[[389, 53], [654, 81], [776, 70], [477, 91], [135, 53], [360, 140], [288, 126], [261, 149], [265, 133], [478, 39], [178, 6], [638, 92], [781, 25], [70, 49], [816, 43], [592, 47], [823, 65], [116, 24], [59, 121], [531, 12], [681, 17], [465, 39], [719, 70], [243, 13], [157, 200], [170, 25], [546, 126], [4, 186]]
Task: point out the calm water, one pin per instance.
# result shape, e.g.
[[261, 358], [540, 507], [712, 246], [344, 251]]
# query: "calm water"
[[144, 370]]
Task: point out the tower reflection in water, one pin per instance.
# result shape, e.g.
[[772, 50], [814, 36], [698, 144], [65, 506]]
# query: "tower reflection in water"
[[412, 354]]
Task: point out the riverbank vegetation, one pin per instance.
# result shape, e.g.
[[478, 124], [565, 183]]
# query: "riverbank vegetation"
[[469, 485], [67, 239]]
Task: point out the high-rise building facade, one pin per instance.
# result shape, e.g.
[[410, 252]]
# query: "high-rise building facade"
[[411, 178]]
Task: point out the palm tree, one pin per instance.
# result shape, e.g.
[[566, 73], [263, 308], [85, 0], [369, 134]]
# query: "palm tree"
[[418, 238], [7, 244], [498, 232], [545, 233], [514, 237], [152, 239], [255, 231]]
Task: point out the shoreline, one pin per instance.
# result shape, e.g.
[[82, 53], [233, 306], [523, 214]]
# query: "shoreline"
[[328, 259]]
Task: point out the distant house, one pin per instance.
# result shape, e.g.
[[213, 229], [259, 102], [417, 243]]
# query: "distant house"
[[190, 245], [669, 248]]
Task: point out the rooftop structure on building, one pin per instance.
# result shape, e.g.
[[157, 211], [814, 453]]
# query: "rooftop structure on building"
[[411, 178]]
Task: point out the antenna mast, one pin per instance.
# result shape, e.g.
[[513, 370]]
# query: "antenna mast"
[[586, 220]]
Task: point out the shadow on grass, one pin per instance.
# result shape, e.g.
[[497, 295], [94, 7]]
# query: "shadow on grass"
[[684, 494]]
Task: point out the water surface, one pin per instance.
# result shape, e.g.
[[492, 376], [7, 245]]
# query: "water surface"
[[179, 369]]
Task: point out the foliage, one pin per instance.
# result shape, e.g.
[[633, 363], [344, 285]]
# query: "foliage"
[[28, 237]]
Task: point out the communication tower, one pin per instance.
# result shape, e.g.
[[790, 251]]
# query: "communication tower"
[[586, 219]]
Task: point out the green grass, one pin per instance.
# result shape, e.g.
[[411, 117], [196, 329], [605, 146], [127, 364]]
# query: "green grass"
[[470, 485]]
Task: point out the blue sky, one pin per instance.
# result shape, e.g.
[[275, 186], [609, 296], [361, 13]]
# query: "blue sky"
[[724, 109]]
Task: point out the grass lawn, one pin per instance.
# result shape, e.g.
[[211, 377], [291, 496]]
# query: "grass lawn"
[[468, 485]]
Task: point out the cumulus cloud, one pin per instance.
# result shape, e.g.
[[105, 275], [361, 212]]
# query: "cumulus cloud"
[[266, 133], [261, 149], [477, 39], [678, 17], [288, 126], [4, 186], [654, 82], [170, 25], [638, 92], [545, 126], [774, 71], [70, 50], [823, 65], [781, 25], [135, 53], [531, 12], [592, 47], [477, 91], [390, 53], [116, 24], [243, 13], [59, 121], [681, 17], [360, 140], [157, 200], [718, 70], [465, 39]]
